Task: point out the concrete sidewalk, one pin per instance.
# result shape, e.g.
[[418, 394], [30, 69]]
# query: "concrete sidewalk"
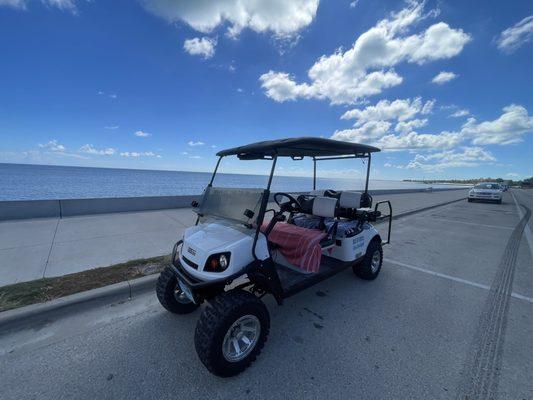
[[36, 248]]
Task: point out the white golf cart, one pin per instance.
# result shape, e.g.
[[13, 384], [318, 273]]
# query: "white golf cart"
[[241, 249]]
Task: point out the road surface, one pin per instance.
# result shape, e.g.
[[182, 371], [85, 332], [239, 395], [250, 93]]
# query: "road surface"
[[450, 316]]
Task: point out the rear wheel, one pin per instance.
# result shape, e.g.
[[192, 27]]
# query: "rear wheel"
[[371, 265], [171, 296], [231, 332], [470, 200]]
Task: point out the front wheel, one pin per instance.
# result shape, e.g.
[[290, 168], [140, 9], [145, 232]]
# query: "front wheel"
[[231, 332], [171, 296], [371, 265]]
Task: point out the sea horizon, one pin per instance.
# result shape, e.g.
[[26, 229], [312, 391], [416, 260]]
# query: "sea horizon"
[[19, 181]]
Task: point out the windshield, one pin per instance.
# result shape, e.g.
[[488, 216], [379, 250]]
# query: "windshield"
[[231, 203], [492, 186]]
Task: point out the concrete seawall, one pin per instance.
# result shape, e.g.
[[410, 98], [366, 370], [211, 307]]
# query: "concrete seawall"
[[24, 209]]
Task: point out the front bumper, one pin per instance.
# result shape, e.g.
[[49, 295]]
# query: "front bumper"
[[195, 285], [488, 197]]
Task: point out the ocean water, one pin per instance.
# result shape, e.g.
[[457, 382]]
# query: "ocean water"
[[38, 182]]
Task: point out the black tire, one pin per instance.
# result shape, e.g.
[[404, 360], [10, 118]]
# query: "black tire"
[[499, 201], [364, 268], [470, 200], [169, 297], [214, 324]]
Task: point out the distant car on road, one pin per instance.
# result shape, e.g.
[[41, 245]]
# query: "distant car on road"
[[487, 191]]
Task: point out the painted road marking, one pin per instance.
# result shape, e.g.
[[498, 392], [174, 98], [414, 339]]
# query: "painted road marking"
[[455, 279]]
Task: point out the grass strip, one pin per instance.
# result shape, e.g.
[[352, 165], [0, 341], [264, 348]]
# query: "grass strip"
[[46, 289]]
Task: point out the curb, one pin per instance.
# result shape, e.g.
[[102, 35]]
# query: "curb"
[[122, 291]]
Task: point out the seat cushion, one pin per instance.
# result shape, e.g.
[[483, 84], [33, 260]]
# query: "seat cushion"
[[306, 221]]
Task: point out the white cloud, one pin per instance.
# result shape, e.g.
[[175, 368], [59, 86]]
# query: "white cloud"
[[136, 154], [65, 5], [513, 174], [353, 4], [460, 113], [516, 36], [110, 95], [509, 128], [20, 4], [399, 109], [367, 67], [414, 140], [53, 146], [469, 157], [193, 143], [195, 157], [281, 17], [89, 149], [443, 77], [368, 131], [142, 134], [408, 126], [111, 127], [204, 47], [428, 107]]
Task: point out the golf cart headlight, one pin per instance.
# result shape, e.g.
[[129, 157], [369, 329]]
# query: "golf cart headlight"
[[223, 261], [217, 262]]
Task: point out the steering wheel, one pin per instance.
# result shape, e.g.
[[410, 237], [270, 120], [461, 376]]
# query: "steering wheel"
[[292, 205]]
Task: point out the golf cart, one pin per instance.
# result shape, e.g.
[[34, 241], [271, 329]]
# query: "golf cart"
[[243, 248]]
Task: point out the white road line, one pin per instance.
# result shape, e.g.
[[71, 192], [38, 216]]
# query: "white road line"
[[527, 231], [472, 223], [455, 279]]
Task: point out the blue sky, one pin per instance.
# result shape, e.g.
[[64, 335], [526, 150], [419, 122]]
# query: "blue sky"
[[443, 87]]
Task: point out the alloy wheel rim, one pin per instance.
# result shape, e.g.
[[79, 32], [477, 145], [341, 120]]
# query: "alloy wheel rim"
[[241, 338], [376, 260]]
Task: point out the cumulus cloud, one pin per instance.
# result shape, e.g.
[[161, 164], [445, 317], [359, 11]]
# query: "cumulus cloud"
[[434, 162], [193, 143], [460, 113], [443, 77], [414, 140], [509, 128], [65, 5], [142, 134], [399, 109], [367, 68], [516, 36], [136, 154], [409, 126], [204, 47], [282, 18], [89, 149], [375, 121], [53, 146]]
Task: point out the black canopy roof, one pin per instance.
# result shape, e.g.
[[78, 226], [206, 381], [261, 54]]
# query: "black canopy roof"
[[299, 147]]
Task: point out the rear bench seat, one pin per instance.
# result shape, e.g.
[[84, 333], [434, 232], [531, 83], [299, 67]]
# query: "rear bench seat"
[[348, 201]]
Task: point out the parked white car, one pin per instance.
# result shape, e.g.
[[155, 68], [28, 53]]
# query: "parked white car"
[[487, 191]]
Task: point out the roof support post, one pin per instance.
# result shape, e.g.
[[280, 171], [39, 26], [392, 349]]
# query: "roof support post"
[[368, 172], [262, 209], [215, 171], [314, 173]]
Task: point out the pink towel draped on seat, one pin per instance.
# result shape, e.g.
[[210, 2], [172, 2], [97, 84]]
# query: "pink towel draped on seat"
[[300, 246]]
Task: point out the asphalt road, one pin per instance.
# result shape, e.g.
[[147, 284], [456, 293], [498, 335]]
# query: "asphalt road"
[[450, 316]]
